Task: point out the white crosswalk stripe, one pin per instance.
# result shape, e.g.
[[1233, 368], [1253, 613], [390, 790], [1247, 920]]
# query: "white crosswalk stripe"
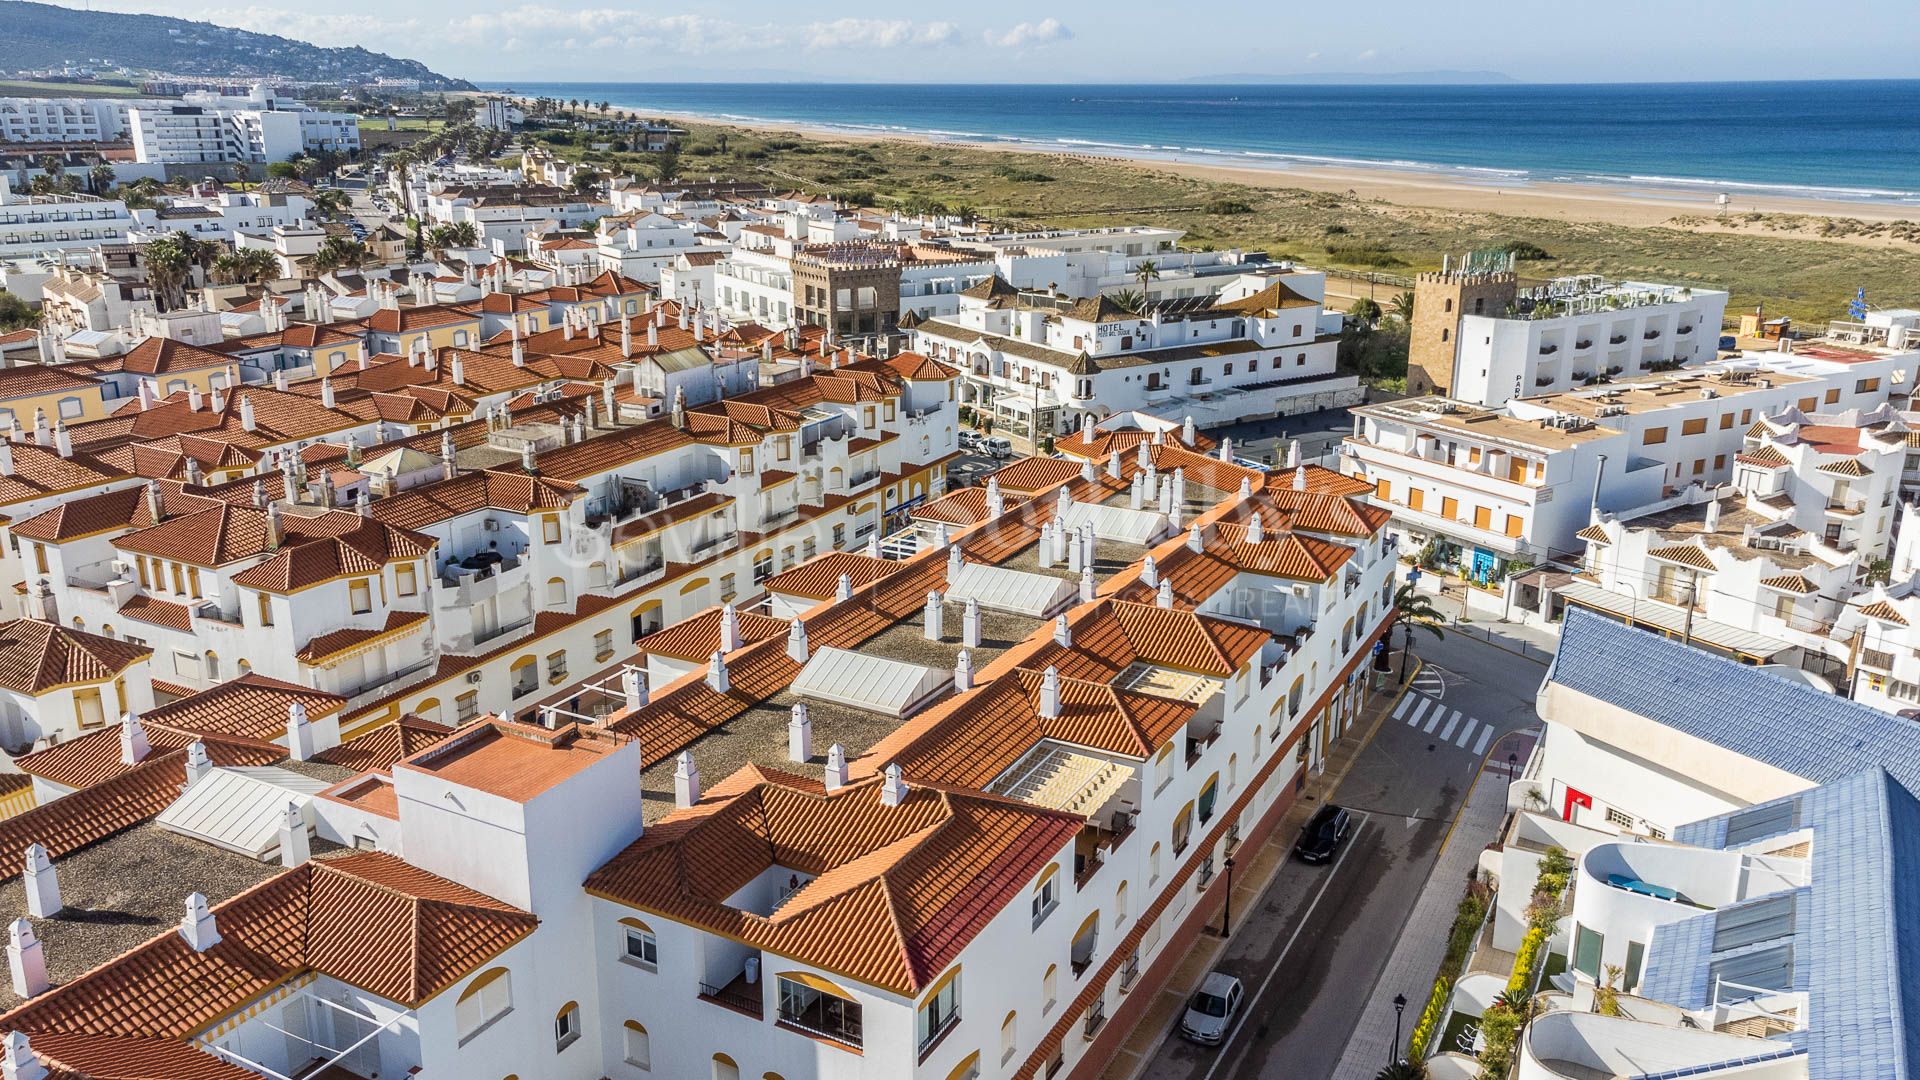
[[1413, 720], [1401, 710], [1438, 714], [1481, 746], [1446, 733], [1466, 733]]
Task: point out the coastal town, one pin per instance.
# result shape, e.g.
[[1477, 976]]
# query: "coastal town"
[[481, 599]]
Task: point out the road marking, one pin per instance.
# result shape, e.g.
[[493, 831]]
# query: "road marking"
[[1305, 918], [1419, 710], [1434, 722], [1466, 733], [1446, 733], [1401, 710], [1480, 748]]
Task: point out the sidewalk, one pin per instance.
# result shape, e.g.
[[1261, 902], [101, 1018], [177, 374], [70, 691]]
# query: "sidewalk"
[[1423, 942], [1258, 870], [1528, 642]]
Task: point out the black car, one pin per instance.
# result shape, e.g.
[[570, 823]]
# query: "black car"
[[1323, 835]]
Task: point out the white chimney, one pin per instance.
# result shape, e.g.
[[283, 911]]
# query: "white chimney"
[[1144, 455], [246, 412], [42, 883], [1293, 454], [1050, 694], [197, 763], [299, 733], [797, 641], [626, 336], [1062, 633], [1113, 465], [326, 392], [1164, 597], [27, 961], [295, 848], [133, 740], [1088, 588], [1074, 553], [836, 767], [1137, 491], [1226, 448], [62, 441], [935, 620], [1187, 433], [995, 504], [195, 400], [6, 457], [963, 672], [843, 592], [1087, 471], [1246, 487], [21, 1063], [729, 628], [1194, 543], [1149, 572], [955, 560], [1256, 529], [941, 536], [894, 791], [686, 781], [970, 624], [197, 925], [717, 672], [1299, 480], [653, 335], [1713, 515], [800, 733]]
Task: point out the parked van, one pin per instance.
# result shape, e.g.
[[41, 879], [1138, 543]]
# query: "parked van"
[[995, 446]]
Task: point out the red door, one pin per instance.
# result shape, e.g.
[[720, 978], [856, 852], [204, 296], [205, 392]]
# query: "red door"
[[1575, 798]]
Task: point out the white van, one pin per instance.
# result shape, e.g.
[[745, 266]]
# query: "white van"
[[995, 446]]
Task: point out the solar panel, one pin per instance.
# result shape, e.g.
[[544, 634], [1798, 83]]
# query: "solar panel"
[[1740, 978], [1760, 822], [1751, 924]]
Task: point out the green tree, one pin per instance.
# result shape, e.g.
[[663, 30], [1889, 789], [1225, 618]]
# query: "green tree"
[[247, 266], [170, 263], [340, 253], [666, 163], [282, 170], [1365, 310], [1414, 609], [330, 202], [15, 313], [1145, 273], [1403, 1070], [100, 178], [1129, 299], [1402, 308]]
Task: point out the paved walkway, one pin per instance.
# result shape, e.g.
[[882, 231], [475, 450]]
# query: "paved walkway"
[[1250, 881], [1423, 942], [1527, 641]]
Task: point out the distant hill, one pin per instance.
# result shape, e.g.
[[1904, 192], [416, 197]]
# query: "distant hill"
[[1356, 78], [42, 36]]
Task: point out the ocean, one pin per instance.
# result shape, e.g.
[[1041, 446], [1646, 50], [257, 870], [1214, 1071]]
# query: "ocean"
[[1855, 140]]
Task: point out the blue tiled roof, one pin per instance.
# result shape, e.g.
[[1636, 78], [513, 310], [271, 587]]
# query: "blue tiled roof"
[[1857, 935], [1767, 717]]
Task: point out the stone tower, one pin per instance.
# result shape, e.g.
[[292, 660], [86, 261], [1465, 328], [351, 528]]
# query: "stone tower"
[[1476, 284]]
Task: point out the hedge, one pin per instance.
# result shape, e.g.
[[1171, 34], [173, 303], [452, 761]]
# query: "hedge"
[[1424, 1031]]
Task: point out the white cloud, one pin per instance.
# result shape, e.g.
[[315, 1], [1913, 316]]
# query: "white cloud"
[[1368, 54], [1029, 34], [850, 33], [319, 28], [1312, 56]]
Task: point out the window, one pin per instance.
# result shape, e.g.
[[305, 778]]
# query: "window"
[[1009, 1037], [486, 999], [406, 580], [1050, 989], [87, 708], [1046, 895], [1163, 768], [70, 408], [1183, 829], [1653, 436], [526, 676], [467, 706], [603, 645], [1153, 864], [1726, 421], [641, 948], [1514, 525], [1120, 904], [1864, 386], [1482, 517], [1587, 944], [812, 1004], [556, 591], [939, 1011], [556, 666], [1833, 396], [566, 1026], [1449, 507], [638, 1048], [1209, 794], [550, 528], [360, 596], [724, 1068], [186, 664]]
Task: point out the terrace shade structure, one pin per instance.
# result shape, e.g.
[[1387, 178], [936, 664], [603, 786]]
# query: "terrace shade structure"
[[1019, 592], [873, 683]]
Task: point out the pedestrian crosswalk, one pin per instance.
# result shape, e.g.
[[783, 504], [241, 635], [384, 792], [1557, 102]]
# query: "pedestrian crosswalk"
[[1446, 725]]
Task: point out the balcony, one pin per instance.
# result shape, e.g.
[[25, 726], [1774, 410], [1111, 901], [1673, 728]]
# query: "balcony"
[[1617, 339], [646, 572], [739, 995], [1846, 507], [1651, 335]]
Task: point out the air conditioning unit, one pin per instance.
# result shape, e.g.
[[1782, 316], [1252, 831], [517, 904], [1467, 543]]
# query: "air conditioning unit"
[[491, 525], [473, 677], [1302, 591]]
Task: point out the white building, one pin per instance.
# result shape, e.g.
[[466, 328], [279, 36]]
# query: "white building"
[[34, 224], [221, 214], [257, 128], [38, 120]]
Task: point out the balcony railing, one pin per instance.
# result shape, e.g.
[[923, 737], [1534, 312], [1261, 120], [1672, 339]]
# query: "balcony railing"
[[1096, 1016], [738, 995], [1129, 971]]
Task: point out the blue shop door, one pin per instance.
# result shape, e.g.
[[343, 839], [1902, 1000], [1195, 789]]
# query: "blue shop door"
[[1482, 565]]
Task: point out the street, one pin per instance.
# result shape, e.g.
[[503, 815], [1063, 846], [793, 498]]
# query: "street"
[[1311, 950]]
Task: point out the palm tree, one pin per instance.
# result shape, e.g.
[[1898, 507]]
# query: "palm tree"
[[337, 253], [330, 202], [1130, 299], [1144, 273], [170, 262], [247, 266], [100, 178], [1403, 1070], [1413, 608], [1403, 306], [1365, 310]]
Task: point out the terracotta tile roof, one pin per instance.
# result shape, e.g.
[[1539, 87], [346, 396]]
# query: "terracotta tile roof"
[[468, 492], [39, 472], [149, 609], [227, 533], [967, 506], [94, 758], [107, 1057], [86, 515], [1098, 445], [1830, 439], [1849, 467], [1033, 474], [819, 578], [1312, 511], [312, 561], [1278, 296], [1793, 583], [1113, 634], [401, 320], [324, 646], [96, 812], [605, 452], [368, 919], [1291, 555], [249, 707], [899, 891], [697, 637], [1883, 611], [1593, 534], [37, 656], [32, 380], [158, 356], [1768, 456], [379, 749], [1685, 554]]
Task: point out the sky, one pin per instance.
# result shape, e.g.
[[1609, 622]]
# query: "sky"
[[1082, 41]]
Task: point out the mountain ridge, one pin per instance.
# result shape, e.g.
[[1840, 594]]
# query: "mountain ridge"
[[45, 35]]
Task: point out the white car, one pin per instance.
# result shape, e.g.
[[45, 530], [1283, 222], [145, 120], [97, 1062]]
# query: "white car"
[[1211, 1010], [995, 446]]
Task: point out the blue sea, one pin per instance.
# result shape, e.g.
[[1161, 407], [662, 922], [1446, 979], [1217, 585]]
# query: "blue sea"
[[1834, 140]]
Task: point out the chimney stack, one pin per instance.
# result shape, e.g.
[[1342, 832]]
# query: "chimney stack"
[[633, 687], [1062, 633], [1088, 589], [1050, 694], [797, 641], [970, 624], [729, 628], [800, 734], [1194, 543], [299, 733], [42, 883], [963, 672], [1226, 448], [295, 848], [62, 441], [717, 672], [197, 763], [27, 961], [843, 592], [134, 746], [836, 767], [686, 781], [274, 535], [326, 392], [247, 421], [1256, 529], [21, 1063], [1149, 572], [955, 560], [894, 791], [1713, 514], [935, 617], [197, 925], [1164, 597]]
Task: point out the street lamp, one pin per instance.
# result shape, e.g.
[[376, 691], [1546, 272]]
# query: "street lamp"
[[1406, 647], [1226, 910], [1399, 1007], [1513, 767]]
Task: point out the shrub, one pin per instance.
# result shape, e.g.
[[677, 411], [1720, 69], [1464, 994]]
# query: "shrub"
[[1525, 962], [1427, 1028], [1228, 206], [1499, 1030], [1521, 249], [1021, 176]]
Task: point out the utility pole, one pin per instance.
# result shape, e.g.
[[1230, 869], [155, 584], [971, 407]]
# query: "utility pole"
[[1693, 591]]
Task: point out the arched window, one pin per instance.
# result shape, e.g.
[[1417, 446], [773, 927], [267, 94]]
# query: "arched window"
[[557, 592], [566, 1026], [724, 1068], [1209, 795], [968, 1069], [246, 668], [1120, 904], [213, 666], [638, 1046], [428, 710], [1009, 1036], [1153, 864], [106, 630], [1050, 989], [1233, 771], [486, 999], [526, 676]]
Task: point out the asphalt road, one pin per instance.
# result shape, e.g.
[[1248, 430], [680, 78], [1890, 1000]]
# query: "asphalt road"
[[1312, 948]]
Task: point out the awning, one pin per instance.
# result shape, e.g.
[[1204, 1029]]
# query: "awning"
[[871, 683], [1654, 615]]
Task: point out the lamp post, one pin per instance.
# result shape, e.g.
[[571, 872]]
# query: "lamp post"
[[1406, 647], [1513, 767], [1226, 909], [1399, 1007]]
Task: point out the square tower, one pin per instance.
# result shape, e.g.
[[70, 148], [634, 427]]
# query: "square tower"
[[1478, 284]]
